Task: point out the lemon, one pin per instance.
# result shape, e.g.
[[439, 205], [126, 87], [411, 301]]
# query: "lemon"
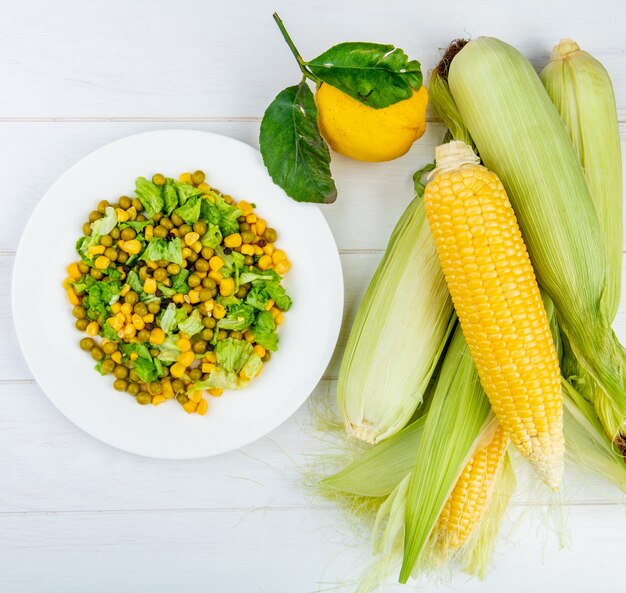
[[367, 134]]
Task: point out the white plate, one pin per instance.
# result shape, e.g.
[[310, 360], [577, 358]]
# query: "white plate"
[[45, 326]]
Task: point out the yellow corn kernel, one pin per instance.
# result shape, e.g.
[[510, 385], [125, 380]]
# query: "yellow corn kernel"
[[72, 296], [186, 252], [116, 357], [253, 228], [202, 408], [282, 267], [73, 271], [248, 336], [122, 215], [227, 287], [158, 399], [148, 318], [211, 357], [148, 232], [264, 263], [190, 406], [216, 392], [194, 296], [96, 250], [185, 178], [116, 307], [209, 197], [245, 207], [268, 249], [178, 298], [261, 225], [208, 367], [92, 329], [251, 218], [278, 256], [157, 336], [132, 213], [216, 262], [125, 309], [197, 246], [247, 249], [125, 290], [219, 311], [204, 187], [115, 323], [217, 276], [168, 391], [186, 358], [138, 322], [131, 247], [243, 375], [233, 240], [258, 250], [153, 265], [509, 331], [130, 331], [269, 305], [260, 351], [279, 319], [67, 283], [191, 237], [177, 370], [134, 356], [121, 316], [183, 344], [275, 312], [150, 286], [196, 396]]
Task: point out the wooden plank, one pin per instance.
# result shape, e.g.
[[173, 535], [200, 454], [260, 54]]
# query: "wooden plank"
[[277, 551], [224, 59]]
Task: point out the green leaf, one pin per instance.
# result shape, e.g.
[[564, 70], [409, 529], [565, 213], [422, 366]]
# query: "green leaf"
[[179, 281], [377, 75], [136, 225], [141, 350], [109, 333], [213, 237], [239, 317], [149, 195], [186, 191], [158, 249], [292, 147], [104, 225], [264, 331], [170, 197], [192, 325], [232, 354], [146, 369], [190, 212], [168, 319], [135, 283], [169, 351]]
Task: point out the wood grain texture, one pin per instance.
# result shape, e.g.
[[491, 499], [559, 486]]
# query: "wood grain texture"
[[77, 515]]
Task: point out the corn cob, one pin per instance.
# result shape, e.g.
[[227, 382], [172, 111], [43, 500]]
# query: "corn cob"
[[521, 138], [468, 500], [499, 305], [400, 330]]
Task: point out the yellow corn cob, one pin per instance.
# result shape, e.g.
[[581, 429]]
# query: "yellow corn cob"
[[498, 303], [469, 497]]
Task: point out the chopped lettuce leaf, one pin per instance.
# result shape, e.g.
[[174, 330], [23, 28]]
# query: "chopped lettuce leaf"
[[150, 196], [113, 274], [239, 317], [138, 348], [186, 191], [228, 301], [228, 216], [100, 294], [190, 211], [209, 212], [98, 367], [170, 197], [109, 333], [253, 366], [103, 226], [253, 275], [219, 379], [135, 283], [232, 354], [136, 225], [158, 365], [192, 325], [146, 369], [258, 297], [213, 237], [158, 249], [179, 281], [264, 331], [181, 315], [168, 319], [166, 291], [278, 294], [233, 263], [84, 244], [169, 351]]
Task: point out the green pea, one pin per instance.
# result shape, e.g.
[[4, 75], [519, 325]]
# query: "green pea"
[[209, 283], [194, 280], [83, 267], [202, 265], [184, 229], [131, 297], [96, 274], [94, 215], [248, 260], [133, 388], [192, 257], [137, 204], [154, 352], [143, 273], [160, 275], [235, 335], [198, 177], [143, 335], [157, 216], [87, 229], [173, 269], [128, 234], [163, 263], [108, 365], [270, 235], [133, 376], [109, 347], [181, 398], [242, 292], [248, 236], [195, 374], [121, 372], [140, 218], [222, 335], [207, 334], [207, 253], [81, 324], [188, 308], [107, 240], [154, 307], [97, 354], [267, 356], [158, 179], [156, 387], [199, 347], [209, 322], [111, 253], [205, 295], [115, 233], [244, 226], [78, 312], [178, 386], [200, 227], [125, 203], [140, 308], [143, 398], [177, 220], [160, 231], [87, 344]]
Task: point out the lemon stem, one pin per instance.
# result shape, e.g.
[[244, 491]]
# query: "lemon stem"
[[294, 50]]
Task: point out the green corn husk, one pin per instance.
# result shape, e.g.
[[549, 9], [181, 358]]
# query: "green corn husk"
[[521, 137], [399, 333], [459, 410], [582, 91]]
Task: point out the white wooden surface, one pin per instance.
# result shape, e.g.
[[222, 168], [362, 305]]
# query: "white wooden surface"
[[76, 515]]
